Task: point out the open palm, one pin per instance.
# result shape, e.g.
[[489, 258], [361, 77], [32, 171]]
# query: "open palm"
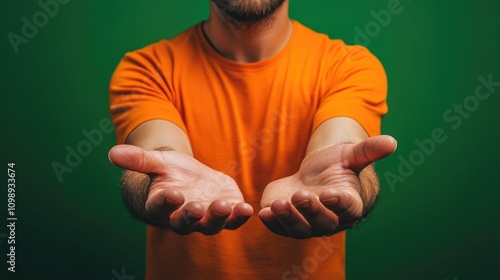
[[323, 197], [185, 195]]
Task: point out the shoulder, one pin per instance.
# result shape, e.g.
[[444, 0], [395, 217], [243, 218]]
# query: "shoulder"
[[167, 48], [159, 56], [331, 50], [332, 60]]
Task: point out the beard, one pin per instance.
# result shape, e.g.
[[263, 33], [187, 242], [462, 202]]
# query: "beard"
[[247, 12]]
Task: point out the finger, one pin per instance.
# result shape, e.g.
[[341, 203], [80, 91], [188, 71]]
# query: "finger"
[[359, 155], [185, 220], [344, 202], [271, 222], [292, 221], [240, 215], [136, 159], [321, 219], [162, 203], [215, 218]]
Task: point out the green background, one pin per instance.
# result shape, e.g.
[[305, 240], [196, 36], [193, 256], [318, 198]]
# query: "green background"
[[439, 222]]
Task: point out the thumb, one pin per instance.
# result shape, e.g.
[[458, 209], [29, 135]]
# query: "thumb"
[[136, 159], [360, 155]]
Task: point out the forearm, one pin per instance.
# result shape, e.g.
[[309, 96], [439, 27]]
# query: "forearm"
[[339, 131], [159, 135], [135, 188], [370, 188]]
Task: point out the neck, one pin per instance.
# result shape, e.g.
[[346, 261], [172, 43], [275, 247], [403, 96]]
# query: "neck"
[[249, 43]]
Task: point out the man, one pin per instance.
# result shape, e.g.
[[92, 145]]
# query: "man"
[[248, 134]]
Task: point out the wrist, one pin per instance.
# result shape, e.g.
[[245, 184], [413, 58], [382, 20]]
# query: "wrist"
[[369, 188], [135, 188]]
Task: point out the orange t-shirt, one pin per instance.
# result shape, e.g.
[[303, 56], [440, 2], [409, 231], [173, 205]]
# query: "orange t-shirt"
[[252, 122]]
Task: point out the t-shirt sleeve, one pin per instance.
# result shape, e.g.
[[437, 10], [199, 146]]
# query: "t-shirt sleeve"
[[140, 91], [356, 88]]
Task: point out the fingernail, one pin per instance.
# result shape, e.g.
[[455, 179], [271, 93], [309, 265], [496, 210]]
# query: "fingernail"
[[284, 214], [189, 218], [171, 201], [331, 201], [303, 204], [221, 214]]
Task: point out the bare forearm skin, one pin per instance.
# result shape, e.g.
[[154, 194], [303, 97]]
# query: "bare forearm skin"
[[370, 188], [135, 189], [159, 135], [328, 134]]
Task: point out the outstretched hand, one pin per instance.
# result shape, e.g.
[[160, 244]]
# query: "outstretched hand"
[[185, 195], [323, 197]]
